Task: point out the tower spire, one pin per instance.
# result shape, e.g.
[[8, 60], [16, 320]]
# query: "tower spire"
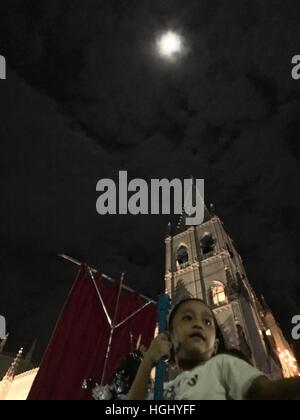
[[265, 306], [12, 371], [169, 230], [181, 226], [193, 193], [29, 355], [212, 209], [6, 383]]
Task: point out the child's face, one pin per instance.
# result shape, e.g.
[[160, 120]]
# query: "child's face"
[[194, 332]]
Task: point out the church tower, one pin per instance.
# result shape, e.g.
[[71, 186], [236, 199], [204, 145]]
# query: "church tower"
[[203, 261]]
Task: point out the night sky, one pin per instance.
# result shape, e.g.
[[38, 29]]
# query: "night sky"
[[86, 97]]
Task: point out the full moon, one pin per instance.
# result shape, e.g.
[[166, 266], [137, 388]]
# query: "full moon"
[[170, 44]]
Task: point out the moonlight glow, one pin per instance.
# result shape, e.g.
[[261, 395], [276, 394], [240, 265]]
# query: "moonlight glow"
[[170, 45]]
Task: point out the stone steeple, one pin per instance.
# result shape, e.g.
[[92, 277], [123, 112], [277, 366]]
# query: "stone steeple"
[[13, 369], [5, 384]]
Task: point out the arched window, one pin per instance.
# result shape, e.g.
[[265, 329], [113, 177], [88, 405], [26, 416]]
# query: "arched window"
[[207, 244], [182, 259], [218, 295]]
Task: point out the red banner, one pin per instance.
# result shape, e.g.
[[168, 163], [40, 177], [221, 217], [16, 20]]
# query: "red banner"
[[78, 346]]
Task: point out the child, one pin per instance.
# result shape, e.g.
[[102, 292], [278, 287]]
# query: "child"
[[206, 372]]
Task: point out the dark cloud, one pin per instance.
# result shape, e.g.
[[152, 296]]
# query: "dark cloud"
[[87, 97]]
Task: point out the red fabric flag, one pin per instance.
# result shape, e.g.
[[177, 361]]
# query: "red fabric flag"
[[78, 346]]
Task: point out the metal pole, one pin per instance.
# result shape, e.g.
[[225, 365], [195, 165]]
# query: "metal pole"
[[94, 270], [100, 297], [112, 330], [163, 306]]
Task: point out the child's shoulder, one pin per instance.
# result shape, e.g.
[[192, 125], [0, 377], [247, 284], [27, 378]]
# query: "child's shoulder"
[[229, 360], [220, 359], [234, 356]]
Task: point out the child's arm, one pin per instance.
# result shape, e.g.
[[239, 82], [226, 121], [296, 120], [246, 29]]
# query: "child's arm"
[[264, 389], [159, 348]]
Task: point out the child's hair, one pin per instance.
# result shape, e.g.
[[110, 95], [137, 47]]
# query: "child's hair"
[[222, 349]]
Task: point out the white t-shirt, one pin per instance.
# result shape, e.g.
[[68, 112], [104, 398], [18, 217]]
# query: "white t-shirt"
[[223, 377]]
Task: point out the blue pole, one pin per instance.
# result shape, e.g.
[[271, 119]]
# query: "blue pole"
[[163, 307]]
